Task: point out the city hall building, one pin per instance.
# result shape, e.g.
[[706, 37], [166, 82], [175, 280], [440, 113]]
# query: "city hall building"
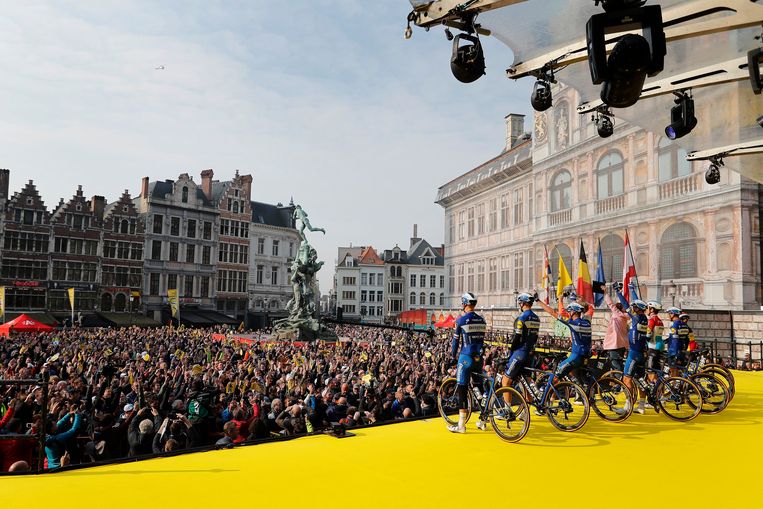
[[695, 245]]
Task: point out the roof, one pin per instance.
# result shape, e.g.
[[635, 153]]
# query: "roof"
[[423, 248], [369, 256], [161, 188], [218, 190], [344, 252], [388, 255], [272, 215]]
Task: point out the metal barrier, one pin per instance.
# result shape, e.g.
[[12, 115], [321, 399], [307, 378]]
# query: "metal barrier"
[[43, 385]]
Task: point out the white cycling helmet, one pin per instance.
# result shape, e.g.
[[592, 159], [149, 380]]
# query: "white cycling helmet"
[[468, 299], [654, 305]]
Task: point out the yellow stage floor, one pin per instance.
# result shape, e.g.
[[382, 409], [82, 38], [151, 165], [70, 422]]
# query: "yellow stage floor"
[[648, 461]]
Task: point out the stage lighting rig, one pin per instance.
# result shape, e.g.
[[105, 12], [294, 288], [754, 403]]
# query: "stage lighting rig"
[[467, 61], [713, 173], [634, 57], [753, 66], [603, 121], [541, 97], [682, 119]]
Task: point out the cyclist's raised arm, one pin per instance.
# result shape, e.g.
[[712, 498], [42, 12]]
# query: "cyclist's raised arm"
[[548, 309]]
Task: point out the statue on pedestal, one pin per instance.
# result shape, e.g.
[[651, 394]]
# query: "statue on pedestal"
[[302, 324]]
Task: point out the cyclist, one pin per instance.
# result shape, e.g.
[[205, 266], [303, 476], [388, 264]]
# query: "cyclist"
[[655, 344], [580, 331], [677, 339], [691, 345], [637, 343], [526, 327], [469, 337]]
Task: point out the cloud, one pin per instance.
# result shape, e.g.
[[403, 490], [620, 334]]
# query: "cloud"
[[322, 101]]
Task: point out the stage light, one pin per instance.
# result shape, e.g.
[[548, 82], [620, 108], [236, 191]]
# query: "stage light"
[[467, 62], [753, 66], [713, 173], [604, 125], [634, 57], [682, 119], [541, 98]]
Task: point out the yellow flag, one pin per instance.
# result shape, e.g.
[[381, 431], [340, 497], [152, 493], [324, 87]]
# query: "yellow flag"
[[2, 300], [71, 297], [564, 278], [172, 297]]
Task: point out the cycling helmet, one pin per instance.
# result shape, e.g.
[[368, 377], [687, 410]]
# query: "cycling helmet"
[[684, 316], [654, 305], [640, 304], [525, 298], [574, 307], [468, 299], [673, 310]]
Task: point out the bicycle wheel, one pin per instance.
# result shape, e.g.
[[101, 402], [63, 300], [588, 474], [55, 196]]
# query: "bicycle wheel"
[[561, 410], [447, 401], [724, 375], [715, 395], [610, 399], [679, 398], [510, 420]]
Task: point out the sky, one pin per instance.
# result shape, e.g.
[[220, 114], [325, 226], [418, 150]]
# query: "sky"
[[320, 100]]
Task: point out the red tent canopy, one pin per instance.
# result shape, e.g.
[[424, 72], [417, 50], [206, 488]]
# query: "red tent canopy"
[[23, 323], [448, 323]]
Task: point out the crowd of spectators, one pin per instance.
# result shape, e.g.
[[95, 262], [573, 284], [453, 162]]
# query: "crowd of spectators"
[[115, 393]]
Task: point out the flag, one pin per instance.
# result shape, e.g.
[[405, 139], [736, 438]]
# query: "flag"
[[629, 269], [600, 282], [546, 274], [563, 278], [584, 288], [135, 293], [2, 302], [172, 297], [71, 297]]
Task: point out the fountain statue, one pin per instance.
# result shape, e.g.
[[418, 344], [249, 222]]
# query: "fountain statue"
[[302, 324]]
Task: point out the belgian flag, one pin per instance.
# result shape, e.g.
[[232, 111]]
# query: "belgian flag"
[[584, 287]]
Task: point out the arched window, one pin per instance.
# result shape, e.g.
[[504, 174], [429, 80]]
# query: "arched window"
[[106, 300], [609, 175], [124, 226], [392, 271], [399, 272], [678, 252], [413, 298], [442, 299], [560, 191], [423, 299], [120, 302], [432, 299], [671, 160], [566, 253], [185, 195], [273, 304], [612, 250]]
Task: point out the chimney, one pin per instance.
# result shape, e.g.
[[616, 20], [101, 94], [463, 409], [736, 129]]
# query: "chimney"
[[5, 177], [246, 182], [415, 237], [144, 188], [515, 128], [98, 205], [206, 183]]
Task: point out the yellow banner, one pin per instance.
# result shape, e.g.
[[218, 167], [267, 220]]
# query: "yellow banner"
[[172, 297], [135, 293], [70, 291], [2, 300]]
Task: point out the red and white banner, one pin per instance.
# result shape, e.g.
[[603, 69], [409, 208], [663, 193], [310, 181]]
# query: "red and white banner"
[[629, 268]]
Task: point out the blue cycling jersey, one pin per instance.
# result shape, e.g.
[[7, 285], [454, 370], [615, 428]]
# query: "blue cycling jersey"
[[526, 328], [469, 335], [637, 336], [580, 330], [679, 337]]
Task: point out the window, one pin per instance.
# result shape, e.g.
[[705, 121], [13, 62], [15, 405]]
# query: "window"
[[172, 281], [175, 226], [451, 278], [260, 246], [379, 296], [460, 278], [27, 242], [153, 283], [530, 195], [609, 175], [480, 275], [204, 292], [560, 191], [222, 253], [413, 280], [363, 296], [519, 196], [442, 282], [372, 279], [190, 253], [260, 271], [274, 275], [156, 250], [173, 251], [492, 280], [432, 299], [275, 248], [188, 289], [505, 273], [371, 296], [347, 295], [291, 251], [349, 281], [207, 234], [612, 250], [350, 310], [519, 271], [413, 299], [363, 310], [492, 222], [470, 277], [185, 195], [504, 211], [678, 252], [470, 227], [461, 225], [672, 161], [480, 219], [452, 228], [422, 299], [136, 251], [206, 255], [422, 281], [432, 281], [191, 229], [364, 279]]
